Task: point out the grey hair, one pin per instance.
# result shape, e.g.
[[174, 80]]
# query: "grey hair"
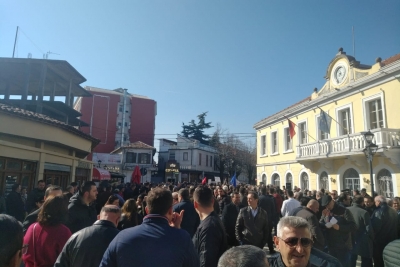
[[381, 199], [243, 256], [292, 222], [319, 194]]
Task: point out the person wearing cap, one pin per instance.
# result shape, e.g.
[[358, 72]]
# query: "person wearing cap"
[[339, 224]]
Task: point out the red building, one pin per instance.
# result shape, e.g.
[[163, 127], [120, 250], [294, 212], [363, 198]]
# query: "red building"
[[117, 118]]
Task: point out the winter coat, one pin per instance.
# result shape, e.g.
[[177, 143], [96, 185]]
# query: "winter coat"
[[363, 237], [391, 255], [251, 230], [384, 222], [190, 219], [316, 232], [124, 222], [79, 249], [15, 206], [80, 215], [229, 216], [225, 200], [30, 219], [267, 203], [33, 196]]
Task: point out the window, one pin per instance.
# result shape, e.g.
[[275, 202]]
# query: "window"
[[211, 161], [126, 124], [303, 133], [274, 142], [185, 156], [263, 145], [345, 126], [288, 140], [385, 184], [199, 159], [289, 178], [121, 108], [321, 135], [171, 155], [304, 181], [144, 158], [323, 181], [276, 180], [351, 179], [375, 114], [206, 160], [119, 124], [264, 179], [130, 157]]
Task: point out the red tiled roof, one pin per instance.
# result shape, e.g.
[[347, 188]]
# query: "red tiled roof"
[[26, 114], [390, 60]]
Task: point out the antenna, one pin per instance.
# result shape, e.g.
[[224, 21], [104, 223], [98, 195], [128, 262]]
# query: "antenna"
[[15, 41], [46, 56], [354, 43]]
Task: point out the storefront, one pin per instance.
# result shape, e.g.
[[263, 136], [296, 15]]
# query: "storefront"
[[172, 172], [16, 171]]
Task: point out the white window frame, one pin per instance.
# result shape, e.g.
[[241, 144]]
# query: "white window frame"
[[366, 110], [338, 110], [261, 146], [272, 143], [318, 132], [285, 134], [298, 132]]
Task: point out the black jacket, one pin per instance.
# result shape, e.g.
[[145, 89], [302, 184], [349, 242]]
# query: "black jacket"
[[86, 247], [33, 196], [317, 258], [30, 219], [225, 200], [15, 206], [80, 215], [384, 222], [251, 230], [124, 222], [363, 237], [267, 203], [311, 217], [190, 219], [229, 216], [210, 240]]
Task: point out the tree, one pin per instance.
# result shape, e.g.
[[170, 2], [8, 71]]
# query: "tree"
[[196, 130]]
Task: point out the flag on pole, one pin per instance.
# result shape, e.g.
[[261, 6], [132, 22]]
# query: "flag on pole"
[[233, 180], [292, 132], [324, 122], [204, 181]]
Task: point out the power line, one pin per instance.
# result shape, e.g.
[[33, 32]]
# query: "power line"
[[31, 40]]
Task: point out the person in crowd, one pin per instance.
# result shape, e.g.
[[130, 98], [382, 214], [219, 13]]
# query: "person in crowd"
[[36, 193], [112, 200], [309, 213], [210, 240], [363, 237], [3, 206], [104, 194], [190, 219], [69, 192], [244, 256], [334, 195], [14, 203], [243, 196], [396, 207], [369, 205], [223, 199], [344, 200], [363, 193], [318, 195], [267, 203], [24, 195], [32, 217], [229, 216], [175, 199], [252, 223], [130, 216], [11, 241], [384, 223], [339, 224], [47, 237], [289, 204], [141, 204], [75, 186], [160, 232], [79, 249], [81, 209]]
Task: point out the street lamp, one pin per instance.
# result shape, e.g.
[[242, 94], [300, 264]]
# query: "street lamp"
[[369, 152]]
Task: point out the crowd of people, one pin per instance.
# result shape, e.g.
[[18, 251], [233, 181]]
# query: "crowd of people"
[[196, 225]]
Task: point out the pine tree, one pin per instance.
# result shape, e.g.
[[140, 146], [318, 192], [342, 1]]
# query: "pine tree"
[[196, 130]]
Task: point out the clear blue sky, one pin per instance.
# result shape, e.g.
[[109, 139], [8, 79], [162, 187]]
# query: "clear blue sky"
[[239, 60]]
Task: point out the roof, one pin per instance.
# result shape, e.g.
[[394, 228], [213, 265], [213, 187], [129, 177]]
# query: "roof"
[[29, 115], [118, 91], [390, 60], [137, 145]]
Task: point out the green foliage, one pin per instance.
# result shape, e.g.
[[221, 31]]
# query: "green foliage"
[[196, 130]]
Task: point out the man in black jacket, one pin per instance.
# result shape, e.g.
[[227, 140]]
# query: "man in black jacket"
[[384, 222], [79, 249], [252, 223], [229, 216], [35, 194], [190, 219], [14, 203], [267, 203], [210, 239], [81, 210]]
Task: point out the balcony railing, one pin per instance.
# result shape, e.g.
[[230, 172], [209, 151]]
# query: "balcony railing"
[[349, 144]]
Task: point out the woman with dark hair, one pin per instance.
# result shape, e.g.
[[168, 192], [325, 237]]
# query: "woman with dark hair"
[[47, 237], [130, 216], [113, 200]]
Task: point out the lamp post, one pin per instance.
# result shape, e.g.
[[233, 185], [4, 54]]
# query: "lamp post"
[[369, 152]]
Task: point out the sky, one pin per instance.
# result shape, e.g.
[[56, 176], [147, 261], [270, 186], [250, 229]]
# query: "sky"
[[240, 61]]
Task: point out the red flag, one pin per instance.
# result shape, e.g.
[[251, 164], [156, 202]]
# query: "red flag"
[[292, 132], [204, 181]]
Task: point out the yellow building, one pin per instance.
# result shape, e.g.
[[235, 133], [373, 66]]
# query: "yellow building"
[[357, 98]]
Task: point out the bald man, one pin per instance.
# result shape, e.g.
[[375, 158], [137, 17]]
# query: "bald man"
[[310, 214], [80, 249]]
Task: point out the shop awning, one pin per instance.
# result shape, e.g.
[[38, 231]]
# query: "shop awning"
[[100, 174]]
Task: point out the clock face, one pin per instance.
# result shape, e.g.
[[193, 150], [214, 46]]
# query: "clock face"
[[340, 73]]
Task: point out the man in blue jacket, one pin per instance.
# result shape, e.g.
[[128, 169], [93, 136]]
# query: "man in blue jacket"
[[190, 219], [158, 241]]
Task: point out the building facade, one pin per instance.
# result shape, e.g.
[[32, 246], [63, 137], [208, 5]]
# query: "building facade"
[[194, 160], [356, 98], [117, 118]]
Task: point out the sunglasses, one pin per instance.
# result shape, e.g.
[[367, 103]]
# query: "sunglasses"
[[294, 241]]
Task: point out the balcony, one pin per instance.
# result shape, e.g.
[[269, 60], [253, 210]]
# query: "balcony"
[[347, 145]]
